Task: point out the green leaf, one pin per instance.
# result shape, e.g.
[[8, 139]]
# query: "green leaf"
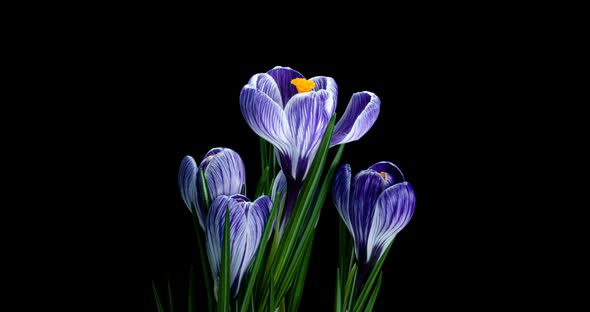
[[297, 233], [373, 298], [349, 287], [342, 247], [271, 304], [338, 303], [224, 285], [299, 284], [295, 223], [295, 266], [309, 228], [259, 258], [263, 154], [157, 298], [275, 166], [204, 261], [206, 198], [368, 286], [170, 301], [260, 188], [191, 289]]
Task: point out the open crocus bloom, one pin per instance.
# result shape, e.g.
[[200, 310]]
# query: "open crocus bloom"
[[224, 173], [375, 207], [292, 113], [247, 221]]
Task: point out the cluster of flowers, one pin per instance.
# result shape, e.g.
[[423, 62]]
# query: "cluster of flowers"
[[292, 114]]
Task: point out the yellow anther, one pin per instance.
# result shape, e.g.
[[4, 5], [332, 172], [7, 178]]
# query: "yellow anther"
[[303, 85]]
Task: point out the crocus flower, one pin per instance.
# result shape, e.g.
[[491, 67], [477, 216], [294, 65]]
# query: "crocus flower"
[[224, 174], [375, 207], [247, 221], [292, 113]]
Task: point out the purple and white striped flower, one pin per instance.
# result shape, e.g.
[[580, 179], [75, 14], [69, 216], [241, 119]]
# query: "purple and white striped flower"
[[292, 113], [224, 174], [375, 207], [247, 221]]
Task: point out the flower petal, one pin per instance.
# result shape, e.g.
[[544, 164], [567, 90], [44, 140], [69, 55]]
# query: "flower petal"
[[212, 152], [393, 173], [393, 211], [238, 237], [341, 194], [265, 83], [279, 187], [255, 218], [247, 221], [214, 232], [365, 190], [359, 117], [187, 183], [265, 117], [308, 117], [258, 216], [283, 77], [329, 84], [225, 173], [265, 204]]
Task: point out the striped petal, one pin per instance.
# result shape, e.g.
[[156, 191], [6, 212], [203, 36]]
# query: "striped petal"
[[265, 83], [308, 115], [225, 173], [359, 117], [393, 211], [187, 183], [247, 221], [365, 190], [210, 154], [258, 216], [341, 194], [265, 117], [391, 173], [214, 235], [283, 76], [279, 187], [328, 84]]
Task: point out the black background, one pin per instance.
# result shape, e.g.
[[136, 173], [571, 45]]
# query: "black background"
[[162, 92]]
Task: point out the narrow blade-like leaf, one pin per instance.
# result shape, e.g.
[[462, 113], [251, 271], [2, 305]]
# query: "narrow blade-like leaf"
[[374, 295], [338, 302], [368, 286], [224, 285], [259, 257], [157, 298]]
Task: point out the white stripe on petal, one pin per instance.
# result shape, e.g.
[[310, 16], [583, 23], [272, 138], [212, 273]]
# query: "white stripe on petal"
[[279, 187], [265, 117], [329, 84], [366, 187], [283, 77], [225, 173], [187, 183], [360, 115], [308, 118], [341, 194], [393, 211], [247, 221], [265, 83]]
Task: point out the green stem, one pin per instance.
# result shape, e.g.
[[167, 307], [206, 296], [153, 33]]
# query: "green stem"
[[204, 261]]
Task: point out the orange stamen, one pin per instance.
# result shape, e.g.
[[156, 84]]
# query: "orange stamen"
[[303, 85]]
